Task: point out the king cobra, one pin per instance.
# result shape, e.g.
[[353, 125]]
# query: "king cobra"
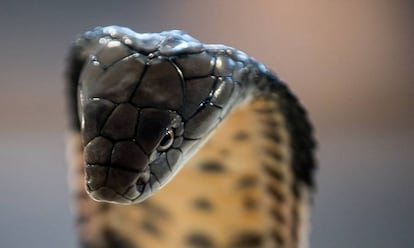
[[179, 144]]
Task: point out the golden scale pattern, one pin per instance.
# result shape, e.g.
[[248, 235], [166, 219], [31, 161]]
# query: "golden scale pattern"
[[235, 192]]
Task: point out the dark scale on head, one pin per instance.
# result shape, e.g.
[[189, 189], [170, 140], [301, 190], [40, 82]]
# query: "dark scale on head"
[[195, 65], [196, 89], [203, 121], [199, 240], [170, 95], [128, 89], [212, 166], [136, 100]]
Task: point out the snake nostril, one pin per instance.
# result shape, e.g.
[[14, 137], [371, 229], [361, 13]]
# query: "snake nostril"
[[114, 184], [140, 186], [143, 180]]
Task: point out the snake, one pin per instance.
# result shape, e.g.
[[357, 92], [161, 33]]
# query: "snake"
[[180, 144]]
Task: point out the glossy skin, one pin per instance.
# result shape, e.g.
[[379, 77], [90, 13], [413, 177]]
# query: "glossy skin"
[[144, 104], [148, 101]]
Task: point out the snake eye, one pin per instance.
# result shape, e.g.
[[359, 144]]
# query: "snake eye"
[[167, 140]]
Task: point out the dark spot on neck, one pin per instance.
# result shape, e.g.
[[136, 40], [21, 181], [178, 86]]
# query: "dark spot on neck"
[[247, 239], [113, 239], [199, 240], [275, 193], [265, 110], [271, 123], [274, 154], [203, 204], [212, 166], [273, 136], [149, 227], [241, 136], [250, 203], [272, 172], [247, 182]]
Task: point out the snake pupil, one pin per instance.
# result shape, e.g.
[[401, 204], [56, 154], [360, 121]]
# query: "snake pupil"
[[167, 140]]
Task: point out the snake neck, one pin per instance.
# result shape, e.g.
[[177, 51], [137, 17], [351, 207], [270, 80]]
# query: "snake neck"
[[247, 187], [238, 191]]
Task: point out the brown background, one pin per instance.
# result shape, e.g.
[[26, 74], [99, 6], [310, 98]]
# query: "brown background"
[[350, 62]]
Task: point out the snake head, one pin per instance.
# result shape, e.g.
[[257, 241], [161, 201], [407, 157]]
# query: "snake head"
[[146, 103], [131, 130], [134, 153]]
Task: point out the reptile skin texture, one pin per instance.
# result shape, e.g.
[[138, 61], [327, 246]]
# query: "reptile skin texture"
[[184, 144]]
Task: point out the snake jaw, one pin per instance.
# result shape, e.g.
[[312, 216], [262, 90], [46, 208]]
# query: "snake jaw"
[[124, 161], [157, 174], [108, 193], [160, 172], [131, 92]]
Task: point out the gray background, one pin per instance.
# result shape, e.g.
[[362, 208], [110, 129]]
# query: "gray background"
[[350, 62]]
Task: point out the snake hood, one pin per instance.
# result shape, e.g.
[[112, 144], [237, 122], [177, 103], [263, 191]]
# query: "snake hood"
[[146, 102]]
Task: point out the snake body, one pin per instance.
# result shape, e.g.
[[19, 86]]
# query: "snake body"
[[144, 105]]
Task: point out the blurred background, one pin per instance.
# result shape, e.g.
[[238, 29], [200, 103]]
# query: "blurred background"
[[350, 62]]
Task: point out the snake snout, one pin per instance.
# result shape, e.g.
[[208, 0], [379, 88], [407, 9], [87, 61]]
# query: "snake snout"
[[113, 170]]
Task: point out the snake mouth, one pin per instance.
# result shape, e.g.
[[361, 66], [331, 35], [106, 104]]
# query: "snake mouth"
[[120, 183], [115, 170], [121, 172], [117, 185], [126, 186]]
